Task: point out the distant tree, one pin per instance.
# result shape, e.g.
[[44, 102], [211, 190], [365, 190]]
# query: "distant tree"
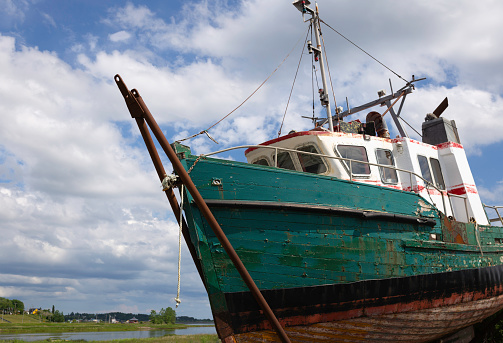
[[169, 316], [18, 305], [5, 304], [192, 320], [153, 316], [52, 309], [58, 317]]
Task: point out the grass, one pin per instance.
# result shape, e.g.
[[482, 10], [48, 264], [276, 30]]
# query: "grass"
[[165, 339], [36, 327], [14, 319], [171, 338], [31, 324]]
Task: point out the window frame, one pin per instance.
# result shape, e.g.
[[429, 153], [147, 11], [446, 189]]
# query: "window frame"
[[381, 169], [441, 186], [292, 158], [317, 151], [262, 158], [345, 164], [429, 169]]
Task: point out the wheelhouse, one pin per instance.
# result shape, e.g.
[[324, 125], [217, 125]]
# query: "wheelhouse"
[[439, 173]]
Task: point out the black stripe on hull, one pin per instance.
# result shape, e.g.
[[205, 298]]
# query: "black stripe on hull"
[[324, 303]]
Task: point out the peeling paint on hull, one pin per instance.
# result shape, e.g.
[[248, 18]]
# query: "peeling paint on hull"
[[414, 326], [422, 307], [338, 260]]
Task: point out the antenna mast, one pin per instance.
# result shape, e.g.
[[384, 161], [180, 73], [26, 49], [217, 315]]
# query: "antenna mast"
[[301, 5]]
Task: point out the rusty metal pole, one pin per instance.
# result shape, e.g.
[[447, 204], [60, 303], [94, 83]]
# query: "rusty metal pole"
[[137, 107], [156, 160]]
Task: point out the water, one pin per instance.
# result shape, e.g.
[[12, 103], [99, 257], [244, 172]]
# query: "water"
[[108, 335]]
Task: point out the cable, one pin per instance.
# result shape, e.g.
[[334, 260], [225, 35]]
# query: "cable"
[[293, 84], [375, 59], [330, 78], [218, 122]]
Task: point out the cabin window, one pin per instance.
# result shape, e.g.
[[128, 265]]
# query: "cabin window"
[[425, 168], [436, 177], [261, 161], [385, 157], [355, 153], [285, 161], [437, 173], [311, 163]]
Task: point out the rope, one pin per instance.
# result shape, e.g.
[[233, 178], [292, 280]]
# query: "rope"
[[192, 167], [245, 100], [477, 235], [293, 84], [375, 59], [177, 299], [169, 181]]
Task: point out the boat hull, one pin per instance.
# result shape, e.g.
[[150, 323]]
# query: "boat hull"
[[336, 259], [413, 326], [412, 309]]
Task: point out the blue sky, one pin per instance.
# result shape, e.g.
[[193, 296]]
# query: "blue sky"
[[85, 226]]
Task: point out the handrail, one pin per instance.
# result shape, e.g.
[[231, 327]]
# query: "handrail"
[[500, 218], [350, 172]]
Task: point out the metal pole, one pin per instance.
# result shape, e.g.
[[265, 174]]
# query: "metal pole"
[[498, 213], [322, 70], [156, 160], [137, 107], [466, 207]]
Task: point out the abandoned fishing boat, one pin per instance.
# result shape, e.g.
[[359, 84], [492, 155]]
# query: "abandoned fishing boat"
[[338, 234]]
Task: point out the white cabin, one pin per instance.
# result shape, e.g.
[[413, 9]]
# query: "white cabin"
[[362, 158]]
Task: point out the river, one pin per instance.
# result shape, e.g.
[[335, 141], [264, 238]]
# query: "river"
[[107, 335]]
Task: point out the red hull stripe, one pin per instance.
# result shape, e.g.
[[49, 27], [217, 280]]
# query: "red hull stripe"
[[328, 303], [463, 189], [326, 133], [295, 134]]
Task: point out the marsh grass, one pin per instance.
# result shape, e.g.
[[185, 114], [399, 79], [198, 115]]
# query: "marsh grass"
[[164, 339], [14, 328]]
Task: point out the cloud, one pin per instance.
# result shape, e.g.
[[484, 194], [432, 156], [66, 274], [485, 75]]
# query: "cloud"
[[493, 197], [119, 36], [78, 201], [13, 12], [81, 209], [230, 38], [49, 19]]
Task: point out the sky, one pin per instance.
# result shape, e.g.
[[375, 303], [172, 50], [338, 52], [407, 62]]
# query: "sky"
[[84, 224]]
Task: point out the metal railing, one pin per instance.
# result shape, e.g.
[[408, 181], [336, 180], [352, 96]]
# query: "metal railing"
[[495, 208], [351, 175]]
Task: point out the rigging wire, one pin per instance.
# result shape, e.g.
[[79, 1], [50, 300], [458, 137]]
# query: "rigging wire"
[[177, 299], [218, 122], [312, 81], [330, 77], [375, 59], [313, 73], [293, 84], [420, 135]]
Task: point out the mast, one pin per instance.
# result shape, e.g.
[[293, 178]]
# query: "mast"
[[301, 5]]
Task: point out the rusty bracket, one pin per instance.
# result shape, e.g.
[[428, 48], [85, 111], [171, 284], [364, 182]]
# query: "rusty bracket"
[[132, 104], [140, 112]]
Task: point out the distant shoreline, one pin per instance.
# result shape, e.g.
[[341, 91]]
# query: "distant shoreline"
[[44, 327]]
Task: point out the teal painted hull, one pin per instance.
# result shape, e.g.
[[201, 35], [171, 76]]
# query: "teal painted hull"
[[298, 232]]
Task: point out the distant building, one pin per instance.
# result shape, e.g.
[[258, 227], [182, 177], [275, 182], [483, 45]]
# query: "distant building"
[[133, 320], [34, 310]]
